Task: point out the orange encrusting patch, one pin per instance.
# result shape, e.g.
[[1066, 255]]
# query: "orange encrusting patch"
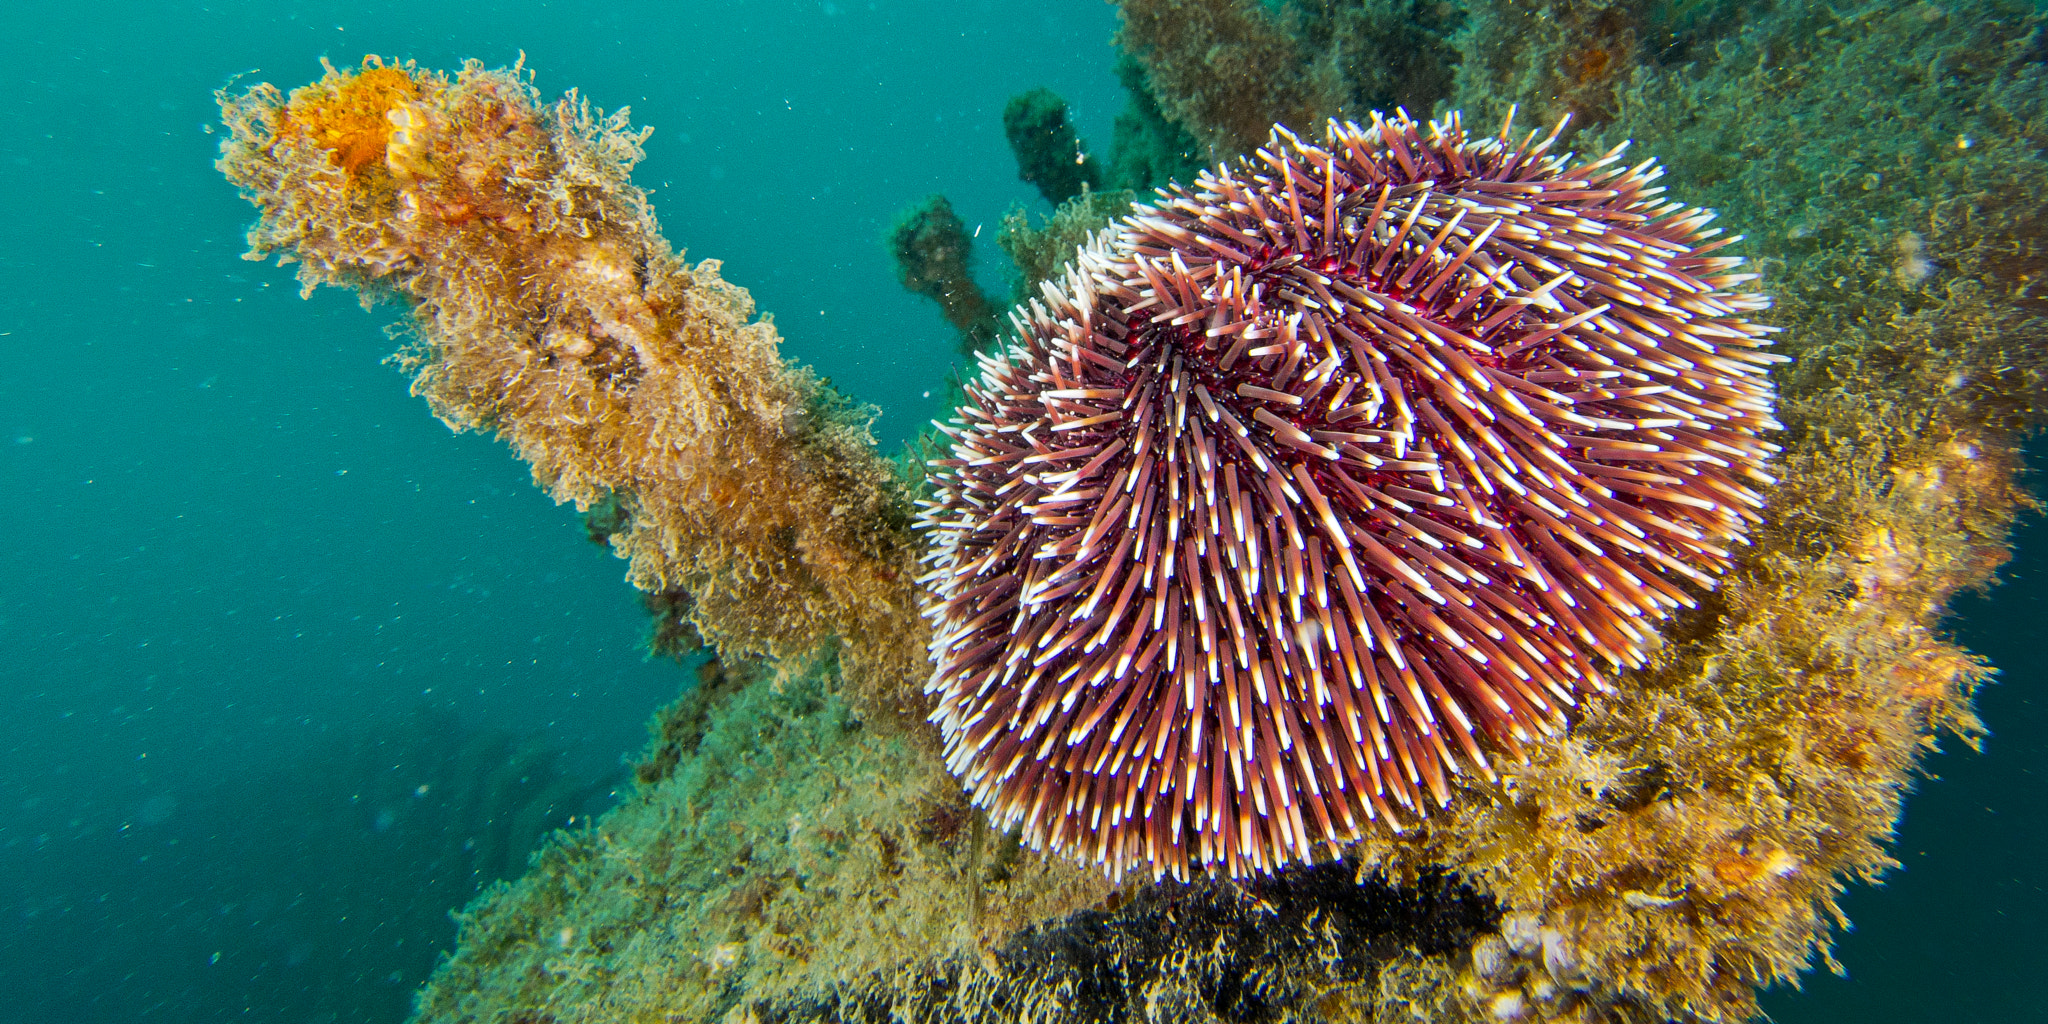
[[348, 113]]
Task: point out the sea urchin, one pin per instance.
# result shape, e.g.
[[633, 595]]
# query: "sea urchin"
[[1315, 483]]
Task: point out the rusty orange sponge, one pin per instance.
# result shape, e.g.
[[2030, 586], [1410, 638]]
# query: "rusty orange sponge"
[[349, 114]]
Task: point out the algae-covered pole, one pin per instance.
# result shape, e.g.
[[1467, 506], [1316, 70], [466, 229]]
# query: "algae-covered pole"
[[931, 248], [548, 309]]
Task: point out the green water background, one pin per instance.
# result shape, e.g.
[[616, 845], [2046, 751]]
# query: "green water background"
[[242, 566]]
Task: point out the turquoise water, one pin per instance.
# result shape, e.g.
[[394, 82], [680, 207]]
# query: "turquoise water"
[[289, 670]]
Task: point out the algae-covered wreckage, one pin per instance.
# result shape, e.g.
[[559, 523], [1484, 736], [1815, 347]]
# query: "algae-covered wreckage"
[[797, 848]]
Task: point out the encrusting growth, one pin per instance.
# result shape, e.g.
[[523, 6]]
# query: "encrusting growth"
[[548, 309], [1323, 478]]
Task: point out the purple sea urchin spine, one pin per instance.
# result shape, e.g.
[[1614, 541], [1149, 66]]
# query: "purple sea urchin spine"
[[1322, 479]]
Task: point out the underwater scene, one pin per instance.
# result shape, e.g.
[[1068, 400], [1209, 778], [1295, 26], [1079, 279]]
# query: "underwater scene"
[[1149, 510]]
